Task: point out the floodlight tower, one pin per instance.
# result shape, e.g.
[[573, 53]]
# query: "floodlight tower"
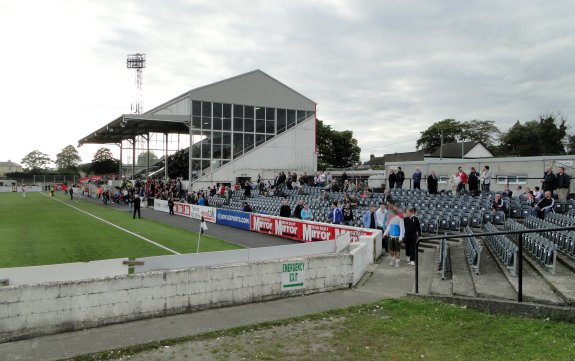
[[137, 61]]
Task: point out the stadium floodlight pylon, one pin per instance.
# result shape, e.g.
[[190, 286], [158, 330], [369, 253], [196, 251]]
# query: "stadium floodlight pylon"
[[137, 61]]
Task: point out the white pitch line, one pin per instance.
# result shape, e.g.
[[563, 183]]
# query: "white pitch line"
[[114, 225]]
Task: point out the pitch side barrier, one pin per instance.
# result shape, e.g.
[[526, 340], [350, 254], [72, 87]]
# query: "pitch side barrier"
[[290, 228], [7, 189]]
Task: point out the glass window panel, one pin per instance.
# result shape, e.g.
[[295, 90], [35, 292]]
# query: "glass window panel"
[[226, 124], [197, 108], [206, 123], [227, 111], [217, 138], [282, 121], [238, 118], [260, 126], [260, 113], [207, 145], [248, 142], [249, 124], [238, 144], [196, 122], [270, 114], [290, 118], [249, 112], [260, 139], [206, 109], [205, 164], [301, 116], [195, 165], [196, 150], [217, 123], [217, 151], [217, 110], [226, 151], [227, 138], [309, 114], [269, 137], [270, 125]]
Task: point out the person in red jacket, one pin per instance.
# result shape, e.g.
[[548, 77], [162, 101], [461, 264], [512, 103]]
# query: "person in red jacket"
[[463, 177]]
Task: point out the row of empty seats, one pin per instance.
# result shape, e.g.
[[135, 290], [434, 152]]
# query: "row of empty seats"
[[565, 240], [536, 245], [472, 250], [503, 248]]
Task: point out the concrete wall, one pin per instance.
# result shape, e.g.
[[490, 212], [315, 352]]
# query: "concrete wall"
[[292, 150], [531, 167], [27, 311]]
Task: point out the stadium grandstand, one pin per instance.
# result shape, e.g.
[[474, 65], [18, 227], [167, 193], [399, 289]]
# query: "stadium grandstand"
[[237, 129]]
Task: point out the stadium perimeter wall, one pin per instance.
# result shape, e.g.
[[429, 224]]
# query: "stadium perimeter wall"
[[28, 311]]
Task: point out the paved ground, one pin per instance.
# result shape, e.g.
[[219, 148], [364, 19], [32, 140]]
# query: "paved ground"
[[385, 282]]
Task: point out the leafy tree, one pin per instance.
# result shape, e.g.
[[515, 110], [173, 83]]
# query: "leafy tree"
[[103, 154], [454, 131], [536, 137], [336, 149], [571, 144], [143, 160], [68, 159], [104, 162], [36, 160]]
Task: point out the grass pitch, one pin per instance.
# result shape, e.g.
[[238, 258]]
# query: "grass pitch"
[[39, 230]]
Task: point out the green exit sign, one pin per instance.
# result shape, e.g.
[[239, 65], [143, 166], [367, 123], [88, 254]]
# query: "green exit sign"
[[293, 275]]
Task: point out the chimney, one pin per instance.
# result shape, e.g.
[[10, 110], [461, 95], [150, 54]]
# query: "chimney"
[[371, 156]]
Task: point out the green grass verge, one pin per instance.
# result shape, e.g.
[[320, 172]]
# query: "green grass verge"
[[39, 230], [391, 330]]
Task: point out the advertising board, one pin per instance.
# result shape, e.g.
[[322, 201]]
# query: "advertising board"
[[234, 219]]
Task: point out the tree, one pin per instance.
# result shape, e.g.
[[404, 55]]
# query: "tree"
[[104, 162], [454, 131], [36, 160], [571, 144], [536, 137], [430, 139], [68, 159], [143, 160], [103, 154], [336, 149]]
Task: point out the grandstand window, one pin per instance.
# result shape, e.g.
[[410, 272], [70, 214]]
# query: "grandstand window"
[[301, 116], [248, 142], [260, 113], [308, 114], [206, 109], [282, 117], [196, 122], [226, 151], [238, 144], [207, 145], [511, 179], [270, 126], [269, 137], [260, 126], [197, 109], [290, 118], [217, 116], [217, 145], [205, 164], [196, 150], [238, 118], [260, 139], [227, 117], [270, 114], [248, 119]]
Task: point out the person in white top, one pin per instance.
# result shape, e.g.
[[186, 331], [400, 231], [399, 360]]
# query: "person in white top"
[[396, 231], [486, 179]]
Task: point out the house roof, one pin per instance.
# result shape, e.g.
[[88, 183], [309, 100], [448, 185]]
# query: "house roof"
[[453, 150], [396, 157], [9, 164]]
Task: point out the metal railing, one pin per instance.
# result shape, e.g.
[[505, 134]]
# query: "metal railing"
[[519, 253]]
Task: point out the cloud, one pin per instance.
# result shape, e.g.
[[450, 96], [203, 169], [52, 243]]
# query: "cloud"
[[386, 70]]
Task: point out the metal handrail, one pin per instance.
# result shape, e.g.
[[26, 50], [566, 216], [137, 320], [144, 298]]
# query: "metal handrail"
[[519, 252]]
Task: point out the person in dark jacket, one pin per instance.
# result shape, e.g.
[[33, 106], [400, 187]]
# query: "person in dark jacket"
[[544, 206], [412, 233], [473, 180], [285, 210], [399, 178], [392, 179], [549, 181], [563, 181], [298, 208], [171, 205], [432, 183], [137, 206], [247, 189], [416, 179]]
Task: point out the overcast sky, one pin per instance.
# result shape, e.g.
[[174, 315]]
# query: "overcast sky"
[[384, 69]]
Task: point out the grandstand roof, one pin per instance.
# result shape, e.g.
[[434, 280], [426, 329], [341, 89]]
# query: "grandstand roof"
[[252, 88]]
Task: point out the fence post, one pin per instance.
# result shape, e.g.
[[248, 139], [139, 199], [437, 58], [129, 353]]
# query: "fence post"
[[520, 268]]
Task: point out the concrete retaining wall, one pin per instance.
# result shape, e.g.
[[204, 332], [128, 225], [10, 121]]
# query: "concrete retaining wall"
[[27, 311]]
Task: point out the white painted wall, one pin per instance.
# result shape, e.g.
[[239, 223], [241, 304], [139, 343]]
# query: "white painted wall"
[[479, 151], [27, 311]]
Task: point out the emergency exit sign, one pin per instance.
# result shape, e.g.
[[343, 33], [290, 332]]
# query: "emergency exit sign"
[[293, 276]]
